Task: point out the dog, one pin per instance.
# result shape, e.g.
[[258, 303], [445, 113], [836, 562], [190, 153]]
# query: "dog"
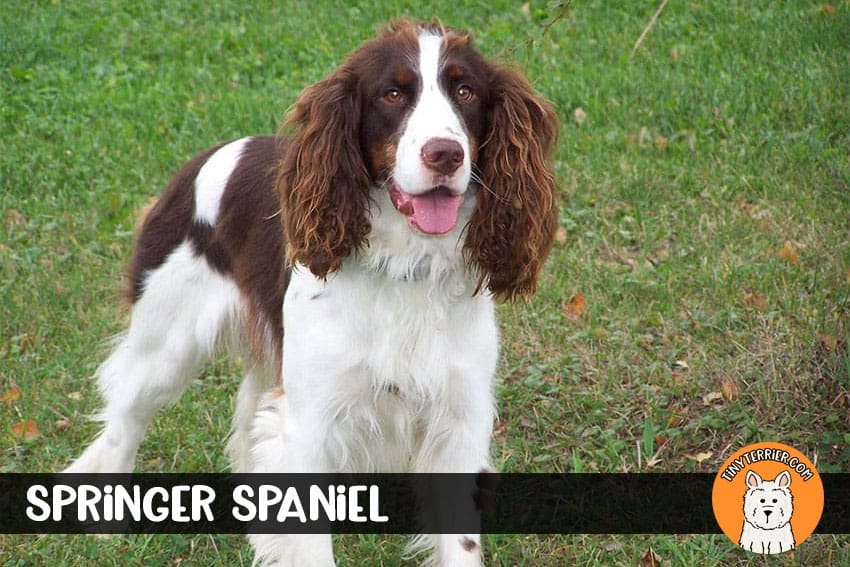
[[768, 506], [353, 263]]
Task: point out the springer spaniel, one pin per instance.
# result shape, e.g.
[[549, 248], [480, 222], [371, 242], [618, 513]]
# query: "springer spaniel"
[[354, 266]]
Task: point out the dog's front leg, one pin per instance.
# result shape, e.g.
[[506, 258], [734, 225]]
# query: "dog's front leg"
[[458, 442], [281, 444]]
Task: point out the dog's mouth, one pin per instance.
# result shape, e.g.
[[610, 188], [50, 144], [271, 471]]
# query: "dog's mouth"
[[434, 212]]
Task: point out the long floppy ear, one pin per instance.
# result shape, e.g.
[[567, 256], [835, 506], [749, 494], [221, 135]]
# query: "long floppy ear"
[[323, 182], [513, 226]]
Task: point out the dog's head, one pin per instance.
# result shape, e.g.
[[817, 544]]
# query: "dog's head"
[[768, 504], [418, 113]]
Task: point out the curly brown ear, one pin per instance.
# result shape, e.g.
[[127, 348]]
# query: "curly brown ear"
[[513, 226], [323, 182]]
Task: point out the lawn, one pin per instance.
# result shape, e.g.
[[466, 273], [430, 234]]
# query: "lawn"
[[697, 300]]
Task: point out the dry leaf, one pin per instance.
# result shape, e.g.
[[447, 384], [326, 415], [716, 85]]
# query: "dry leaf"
[[579, 115], [829, 9], [561, 235], [828, 342], [650, 559], [661, 142], [730, 389], [575, 307], [63, 423], [11, 395], [15, 219], [76, 396], [675, 421], [526, 8], [701, 457], [711, 397], [755, 300], [526, 423], [789, 253], [678, 371], [26, 430]]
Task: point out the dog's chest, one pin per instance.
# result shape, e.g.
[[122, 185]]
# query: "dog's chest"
[[383, 360]]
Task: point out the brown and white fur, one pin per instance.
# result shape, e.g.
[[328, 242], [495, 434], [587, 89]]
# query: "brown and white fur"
[[354, 264]]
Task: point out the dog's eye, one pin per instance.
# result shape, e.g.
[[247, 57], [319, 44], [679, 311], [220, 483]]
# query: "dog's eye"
[[393, 96], [774, 500], [464, 93], [762, 500]]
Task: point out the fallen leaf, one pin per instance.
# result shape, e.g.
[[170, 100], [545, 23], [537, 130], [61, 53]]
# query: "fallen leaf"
[[63, 423], [526, 8], [661, 142], [788, 252], [755, 300], [701, 457], [678, 370], [828, 342], [25, 341], [829, 9], [15, 218], [526, 423], [11, 395], [650, 559], [561, 235], [76, 396], [579, 115], [675, 421], [575, 307], [730, 389], [711, 397], [26, 430]]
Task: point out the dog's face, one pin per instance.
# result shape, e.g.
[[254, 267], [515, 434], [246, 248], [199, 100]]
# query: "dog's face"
[[768, 504], [422, 123]]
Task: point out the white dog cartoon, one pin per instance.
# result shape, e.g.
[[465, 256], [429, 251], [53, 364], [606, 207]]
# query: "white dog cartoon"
[[768, 505]]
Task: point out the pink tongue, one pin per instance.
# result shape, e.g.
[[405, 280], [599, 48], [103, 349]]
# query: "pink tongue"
[[435, 212]]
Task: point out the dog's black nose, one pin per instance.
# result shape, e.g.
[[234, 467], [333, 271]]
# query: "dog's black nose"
[[767, 513], [442, 155]]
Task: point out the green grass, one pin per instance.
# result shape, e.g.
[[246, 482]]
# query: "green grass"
[[725, 137]]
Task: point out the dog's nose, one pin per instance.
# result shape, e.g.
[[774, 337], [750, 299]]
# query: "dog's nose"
[[767, 514], [442, 155]]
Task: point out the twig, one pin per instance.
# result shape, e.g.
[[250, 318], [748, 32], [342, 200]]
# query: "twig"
[[647, 29]]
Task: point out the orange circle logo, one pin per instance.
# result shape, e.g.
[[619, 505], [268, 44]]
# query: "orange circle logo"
[[767, 498]]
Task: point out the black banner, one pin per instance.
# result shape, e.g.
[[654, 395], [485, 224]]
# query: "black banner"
[[486, 503]]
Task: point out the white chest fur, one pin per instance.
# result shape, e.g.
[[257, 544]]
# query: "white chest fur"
[[388, 366]]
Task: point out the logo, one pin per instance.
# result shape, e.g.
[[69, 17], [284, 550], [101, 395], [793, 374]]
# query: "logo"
[[767, 498]]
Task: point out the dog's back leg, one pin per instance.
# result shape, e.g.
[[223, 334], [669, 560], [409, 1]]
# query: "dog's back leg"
[[184, 311]]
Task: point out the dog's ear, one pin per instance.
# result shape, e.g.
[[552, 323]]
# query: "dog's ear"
[[323, 183], [783, 479], [753, 480], [513, 227]]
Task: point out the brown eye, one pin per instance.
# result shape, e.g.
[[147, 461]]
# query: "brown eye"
[[464, 93], [393, 96]]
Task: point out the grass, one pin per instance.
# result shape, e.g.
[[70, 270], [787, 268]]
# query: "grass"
[[697, 299]]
